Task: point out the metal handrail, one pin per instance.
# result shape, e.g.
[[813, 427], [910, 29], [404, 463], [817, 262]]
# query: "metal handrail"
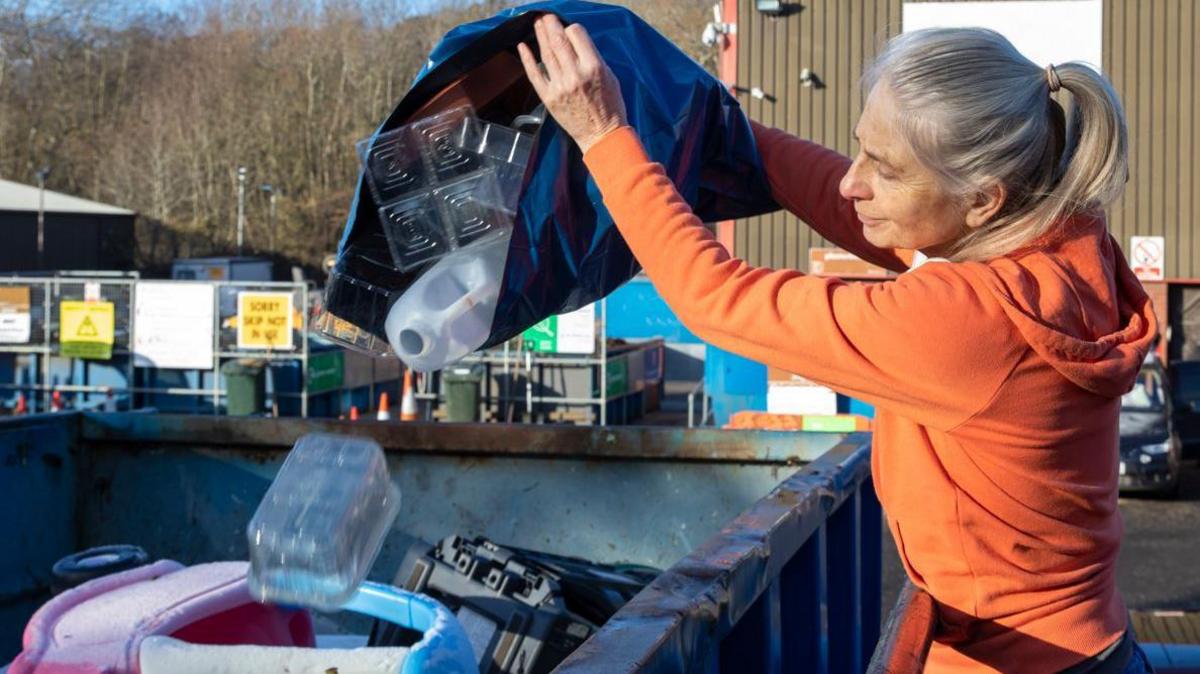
[[792, 584]]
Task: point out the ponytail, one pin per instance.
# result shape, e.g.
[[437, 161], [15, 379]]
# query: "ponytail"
[[1094, 165]]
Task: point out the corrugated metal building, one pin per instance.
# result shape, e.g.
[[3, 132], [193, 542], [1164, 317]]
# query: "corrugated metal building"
[[78, 234], [1148, 48]]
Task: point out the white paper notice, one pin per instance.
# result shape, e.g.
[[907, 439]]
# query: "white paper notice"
[[14, 328], [15, 320], [174, 325], [577, 331]]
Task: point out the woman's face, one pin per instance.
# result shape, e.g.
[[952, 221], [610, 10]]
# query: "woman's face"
[[898, 200]]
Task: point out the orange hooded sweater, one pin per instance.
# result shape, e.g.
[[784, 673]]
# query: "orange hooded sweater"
[[997, 387]]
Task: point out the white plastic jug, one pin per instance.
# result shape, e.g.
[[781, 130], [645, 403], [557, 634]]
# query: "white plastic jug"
[[447, 312]]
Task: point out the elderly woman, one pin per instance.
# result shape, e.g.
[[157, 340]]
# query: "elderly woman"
[[997, 365]]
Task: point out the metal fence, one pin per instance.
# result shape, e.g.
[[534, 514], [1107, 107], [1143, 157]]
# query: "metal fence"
[[44, 343], [792, 585]]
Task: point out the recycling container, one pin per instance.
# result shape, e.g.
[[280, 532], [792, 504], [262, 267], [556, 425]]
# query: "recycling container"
[[245, 386]]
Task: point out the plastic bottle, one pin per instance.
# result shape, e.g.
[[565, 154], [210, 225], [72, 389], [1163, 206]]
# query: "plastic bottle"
[[447, 312]]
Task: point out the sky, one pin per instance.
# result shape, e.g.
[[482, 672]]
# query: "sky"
[[411, 6]]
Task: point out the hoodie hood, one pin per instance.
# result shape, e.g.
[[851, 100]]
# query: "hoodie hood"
[[1078, 305]]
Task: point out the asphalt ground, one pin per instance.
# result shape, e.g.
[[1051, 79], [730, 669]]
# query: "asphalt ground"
[[1159, 566]]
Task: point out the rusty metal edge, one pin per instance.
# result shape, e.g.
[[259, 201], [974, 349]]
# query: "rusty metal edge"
[[589, 442], [71, 419], [695, 603]]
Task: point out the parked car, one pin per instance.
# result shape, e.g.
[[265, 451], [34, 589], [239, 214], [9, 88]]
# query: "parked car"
[[1150, 446], [1185, 397]]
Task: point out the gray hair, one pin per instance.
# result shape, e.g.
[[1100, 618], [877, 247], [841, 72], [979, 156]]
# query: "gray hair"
[[978, 113]]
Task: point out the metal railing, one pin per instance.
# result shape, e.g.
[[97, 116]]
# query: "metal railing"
[[793, 584], [44, 343], [705, 411]]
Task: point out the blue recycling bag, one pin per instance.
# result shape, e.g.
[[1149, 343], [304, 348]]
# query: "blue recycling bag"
[[565, 251]]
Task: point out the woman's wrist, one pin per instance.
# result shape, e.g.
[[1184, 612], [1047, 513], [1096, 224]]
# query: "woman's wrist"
[[595, 137]]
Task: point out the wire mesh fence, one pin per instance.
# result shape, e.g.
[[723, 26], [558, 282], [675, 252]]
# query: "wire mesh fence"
[[130, 326]]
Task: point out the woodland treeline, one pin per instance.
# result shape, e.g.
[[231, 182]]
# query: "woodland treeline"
[[155, 110]]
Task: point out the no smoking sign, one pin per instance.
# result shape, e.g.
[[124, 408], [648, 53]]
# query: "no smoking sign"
[[1146, 255]]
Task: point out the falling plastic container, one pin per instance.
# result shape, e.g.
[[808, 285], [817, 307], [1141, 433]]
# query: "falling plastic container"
[[322, 522], [317, 533]]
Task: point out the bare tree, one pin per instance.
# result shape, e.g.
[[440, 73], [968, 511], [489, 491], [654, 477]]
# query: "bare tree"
[[156, 111]]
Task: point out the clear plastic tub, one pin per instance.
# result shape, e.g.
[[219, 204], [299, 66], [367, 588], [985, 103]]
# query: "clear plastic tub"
[[322, 522]]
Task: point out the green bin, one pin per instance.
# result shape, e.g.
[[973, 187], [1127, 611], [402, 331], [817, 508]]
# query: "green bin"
[[245, 386], [462, 394]]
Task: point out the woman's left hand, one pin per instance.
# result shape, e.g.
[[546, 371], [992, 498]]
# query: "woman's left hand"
[[576, 85]]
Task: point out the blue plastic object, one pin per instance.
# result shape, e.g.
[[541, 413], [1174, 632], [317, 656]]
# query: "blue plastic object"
[[565, 251], [444, 648], [637, 311], [733, 383]]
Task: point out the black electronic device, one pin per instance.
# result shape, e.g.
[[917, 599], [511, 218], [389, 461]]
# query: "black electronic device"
[[523, 611]]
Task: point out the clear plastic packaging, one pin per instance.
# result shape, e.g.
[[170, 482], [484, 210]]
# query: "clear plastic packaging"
[[363, 299], [322, 522], [447, 312], [444, 182], [447, 187]]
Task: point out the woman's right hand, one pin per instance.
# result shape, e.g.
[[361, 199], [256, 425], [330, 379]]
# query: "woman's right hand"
[[577, 87]]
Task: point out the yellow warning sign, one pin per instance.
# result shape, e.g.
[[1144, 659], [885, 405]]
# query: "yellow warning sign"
[[86, 329], [265, 320]]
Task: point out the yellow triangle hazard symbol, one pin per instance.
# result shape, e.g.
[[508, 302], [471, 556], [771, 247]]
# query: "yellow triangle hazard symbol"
[[87, 328]]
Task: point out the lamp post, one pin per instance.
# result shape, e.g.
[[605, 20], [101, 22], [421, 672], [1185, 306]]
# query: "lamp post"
[[241, 217], [42, 174], [269, 190]]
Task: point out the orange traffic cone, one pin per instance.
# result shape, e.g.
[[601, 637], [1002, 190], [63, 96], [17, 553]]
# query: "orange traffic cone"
[[408, 401], [56, 403], [384, 414], [354, 413], [21, 407]]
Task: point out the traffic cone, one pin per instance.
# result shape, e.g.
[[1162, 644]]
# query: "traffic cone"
[[56, 403], [21, 407], [354, 413], [384, 414], [408, 400]]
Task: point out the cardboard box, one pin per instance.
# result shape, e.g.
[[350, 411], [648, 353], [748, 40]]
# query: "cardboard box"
[[838, 262]]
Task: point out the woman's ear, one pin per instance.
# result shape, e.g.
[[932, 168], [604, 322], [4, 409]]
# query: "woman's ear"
[[986, 204]]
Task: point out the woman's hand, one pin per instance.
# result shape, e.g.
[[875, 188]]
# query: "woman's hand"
[[576, 85]]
